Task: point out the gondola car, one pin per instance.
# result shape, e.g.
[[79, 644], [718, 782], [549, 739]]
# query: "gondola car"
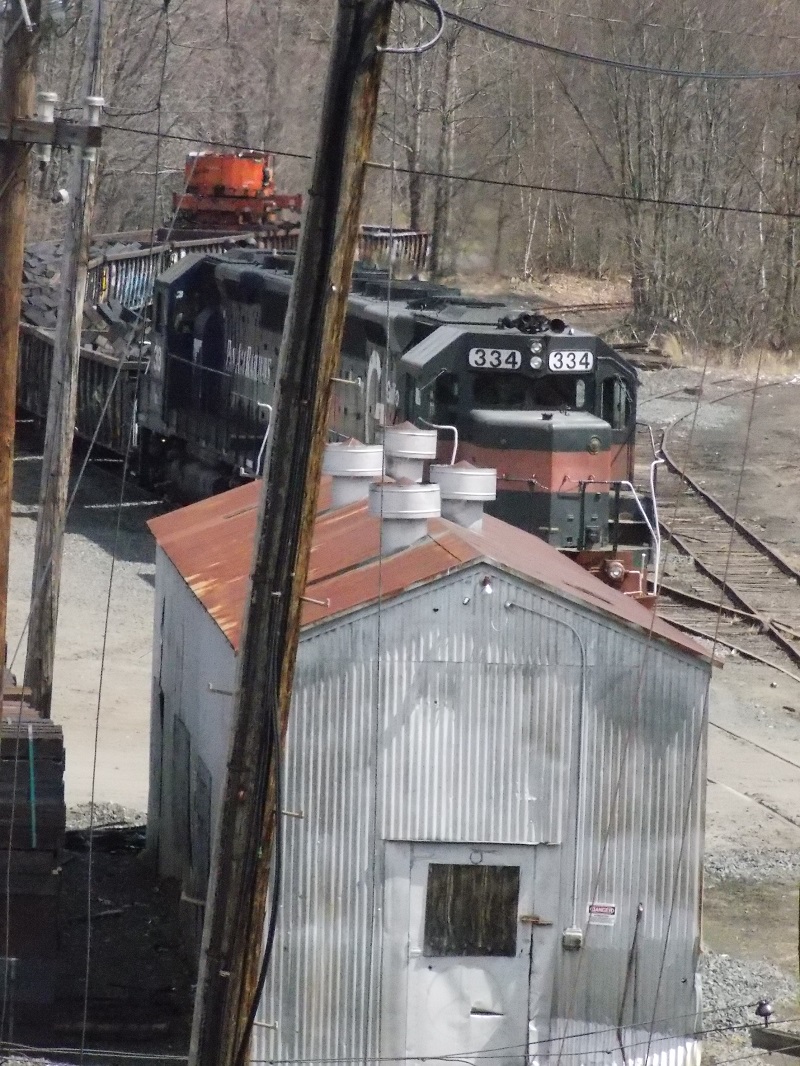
[[551, 407]]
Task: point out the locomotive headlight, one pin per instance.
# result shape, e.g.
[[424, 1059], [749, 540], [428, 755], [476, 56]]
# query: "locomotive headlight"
[[614, 570], [537, 347], [594, 445], [536, 362]]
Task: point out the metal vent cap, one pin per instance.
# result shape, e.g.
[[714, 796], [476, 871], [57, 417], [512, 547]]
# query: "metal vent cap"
[[351, 458], [465, 481], [407, 441], [392, 501]]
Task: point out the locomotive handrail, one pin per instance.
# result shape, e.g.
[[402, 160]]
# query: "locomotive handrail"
[[654, 530], [128, 275], [136, 279], [263, 448], [153, 250], [450, 429]]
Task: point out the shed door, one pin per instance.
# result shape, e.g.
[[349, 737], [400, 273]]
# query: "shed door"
[[469, 955]]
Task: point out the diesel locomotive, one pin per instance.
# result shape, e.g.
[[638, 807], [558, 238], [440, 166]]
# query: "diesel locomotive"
[[552, 408]]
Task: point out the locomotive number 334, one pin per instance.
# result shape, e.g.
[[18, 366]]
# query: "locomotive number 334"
[[495, 358], [570, 360]]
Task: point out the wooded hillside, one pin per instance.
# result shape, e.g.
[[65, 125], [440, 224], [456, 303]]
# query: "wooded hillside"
[[249, 73]]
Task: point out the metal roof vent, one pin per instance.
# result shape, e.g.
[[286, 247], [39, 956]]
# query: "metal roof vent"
[[353, 466], [464, 489], [407, 447], [404, 509]]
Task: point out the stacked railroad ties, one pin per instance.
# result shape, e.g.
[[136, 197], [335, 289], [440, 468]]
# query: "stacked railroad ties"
[[32, 822]]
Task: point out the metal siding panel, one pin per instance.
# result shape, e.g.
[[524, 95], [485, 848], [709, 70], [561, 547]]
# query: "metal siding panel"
[[319, 993], [457, 731], [478, 707], [190, 654], [642, 843]]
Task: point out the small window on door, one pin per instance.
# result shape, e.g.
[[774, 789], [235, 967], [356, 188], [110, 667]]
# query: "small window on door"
[[471, 910], [616, 403]]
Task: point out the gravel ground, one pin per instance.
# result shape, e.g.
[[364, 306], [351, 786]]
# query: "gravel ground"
[[754, 865], [105, 814], [732, 987], [121, 710], [667, 395], [139, 979]]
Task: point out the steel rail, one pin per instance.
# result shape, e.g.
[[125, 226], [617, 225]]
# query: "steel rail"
[[745, 653], [754, 744], [752, 538], [755, 799], [690, 599], [770, 627]]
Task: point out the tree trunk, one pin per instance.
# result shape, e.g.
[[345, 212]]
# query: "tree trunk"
[[441, 200]]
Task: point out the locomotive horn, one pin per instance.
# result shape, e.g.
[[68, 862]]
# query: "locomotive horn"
[[532, 322]]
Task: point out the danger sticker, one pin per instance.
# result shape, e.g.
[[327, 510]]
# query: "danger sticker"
[[602, 913]]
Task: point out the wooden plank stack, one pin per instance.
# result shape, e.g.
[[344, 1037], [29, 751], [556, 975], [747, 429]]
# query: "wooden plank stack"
[[32, 825]]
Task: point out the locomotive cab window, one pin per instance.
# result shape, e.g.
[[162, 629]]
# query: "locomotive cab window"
[[546, 393], [159, 313], [616, 403], [471, 910], [445, 391], [184, 312]]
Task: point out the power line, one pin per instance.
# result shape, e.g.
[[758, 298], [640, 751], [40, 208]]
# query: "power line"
[[620, 64], [112, 570], [209, 141], [703, 31], [479, 179], [453, 1057], [596, 194]]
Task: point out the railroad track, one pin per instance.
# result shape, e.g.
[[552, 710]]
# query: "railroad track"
[[768, 779], [725, 569]]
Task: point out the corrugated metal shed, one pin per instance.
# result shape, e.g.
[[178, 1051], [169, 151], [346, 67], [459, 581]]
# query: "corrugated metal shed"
[[447, 717], [211, 545], [555, 718]]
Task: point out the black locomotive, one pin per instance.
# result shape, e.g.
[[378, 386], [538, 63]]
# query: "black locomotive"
[[551, 407]]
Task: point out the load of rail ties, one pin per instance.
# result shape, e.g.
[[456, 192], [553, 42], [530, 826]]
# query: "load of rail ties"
[[183, 383]]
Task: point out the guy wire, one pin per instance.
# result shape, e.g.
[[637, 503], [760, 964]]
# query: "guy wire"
[[374, 992], [104, 647]]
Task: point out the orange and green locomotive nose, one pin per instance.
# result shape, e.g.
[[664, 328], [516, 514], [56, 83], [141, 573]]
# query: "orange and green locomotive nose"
[[546, 462]]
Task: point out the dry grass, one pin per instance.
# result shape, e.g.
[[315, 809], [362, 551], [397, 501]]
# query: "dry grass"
[[559, 289], [747, 363], [574, 290], [753, 360]]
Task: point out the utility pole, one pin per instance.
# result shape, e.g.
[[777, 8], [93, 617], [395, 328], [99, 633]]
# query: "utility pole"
[[62, 399], [17, 92], [228, 986]]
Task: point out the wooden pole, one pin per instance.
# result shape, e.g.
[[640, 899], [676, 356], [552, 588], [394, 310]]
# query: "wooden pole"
[[17, 100], [234, 927], [62, 399]]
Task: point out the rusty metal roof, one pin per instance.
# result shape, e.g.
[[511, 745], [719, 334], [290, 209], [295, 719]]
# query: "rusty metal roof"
[[211, 545]]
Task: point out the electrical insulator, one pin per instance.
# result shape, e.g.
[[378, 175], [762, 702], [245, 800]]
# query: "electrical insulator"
[[45, 112], [92, 113]]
